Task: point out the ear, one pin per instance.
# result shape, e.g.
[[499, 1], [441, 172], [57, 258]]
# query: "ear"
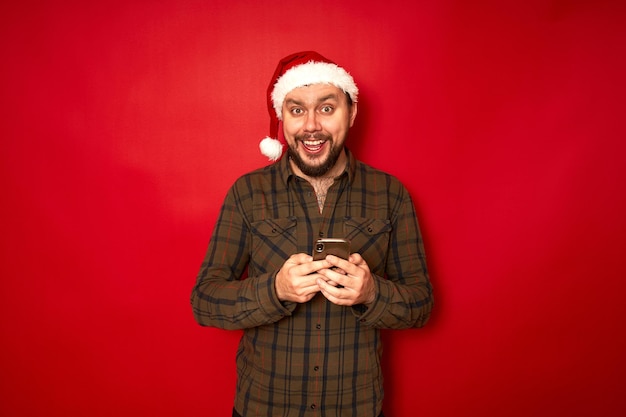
[[353, 112]]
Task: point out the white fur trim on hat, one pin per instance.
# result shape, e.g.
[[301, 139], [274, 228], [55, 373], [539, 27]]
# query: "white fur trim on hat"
[[272, 148], [312, 73]]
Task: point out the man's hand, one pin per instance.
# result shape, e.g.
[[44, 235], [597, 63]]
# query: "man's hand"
[[351, 284], [297, 279]]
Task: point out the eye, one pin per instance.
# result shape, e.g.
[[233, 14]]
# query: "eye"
[[327, 109], [296, 111]]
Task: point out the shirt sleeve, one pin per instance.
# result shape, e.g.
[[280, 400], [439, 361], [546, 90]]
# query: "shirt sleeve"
[[220, 297], [404, 296]]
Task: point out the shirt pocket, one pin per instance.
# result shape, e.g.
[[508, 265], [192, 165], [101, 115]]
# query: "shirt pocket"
[[370, 238], [273, 241]]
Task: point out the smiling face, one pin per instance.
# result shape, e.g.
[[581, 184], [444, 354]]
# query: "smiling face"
[[316, 120]]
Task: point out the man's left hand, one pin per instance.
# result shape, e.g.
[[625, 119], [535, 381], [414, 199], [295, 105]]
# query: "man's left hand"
[[350, 284]]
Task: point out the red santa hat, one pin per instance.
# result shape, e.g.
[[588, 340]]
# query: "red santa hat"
[[293, 71]]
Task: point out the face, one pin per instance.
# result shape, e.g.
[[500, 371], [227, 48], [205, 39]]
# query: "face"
[[316, 120]]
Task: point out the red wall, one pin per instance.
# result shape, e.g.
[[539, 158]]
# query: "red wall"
[[123, 124]]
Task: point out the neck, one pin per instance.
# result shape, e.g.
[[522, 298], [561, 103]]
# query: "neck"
[[322, 184]]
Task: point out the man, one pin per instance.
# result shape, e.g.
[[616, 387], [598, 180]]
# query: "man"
[[311, 344]]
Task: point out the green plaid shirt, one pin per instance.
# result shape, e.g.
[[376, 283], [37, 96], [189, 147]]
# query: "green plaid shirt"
[[317, 358]]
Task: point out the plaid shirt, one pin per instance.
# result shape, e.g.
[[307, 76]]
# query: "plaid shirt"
[[317, 358]]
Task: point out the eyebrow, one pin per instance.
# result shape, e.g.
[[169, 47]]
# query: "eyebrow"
[[320, 100]]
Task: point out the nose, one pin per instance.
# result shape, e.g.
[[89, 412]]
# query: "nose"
[[311, 124]]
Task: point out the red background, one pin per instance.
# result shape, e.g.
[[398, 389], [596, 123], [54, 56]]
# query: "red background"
[[124, 123]]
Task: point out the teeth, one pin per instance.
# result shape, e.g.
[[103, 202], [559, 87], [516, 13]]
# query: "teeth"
[[313, 143]]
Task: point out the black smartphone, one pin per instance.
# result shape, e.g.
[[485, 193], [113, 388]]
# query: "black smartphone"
[[331, 246]]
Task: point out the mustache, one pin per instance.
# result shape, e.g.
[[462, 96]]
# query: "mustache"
[[316, 136]]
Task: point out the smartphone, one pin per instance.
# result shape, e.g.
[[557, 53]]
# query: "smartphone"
[[331, 246]]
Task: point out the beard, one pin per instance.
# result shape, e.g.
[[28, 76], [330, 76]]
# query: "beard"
[[315, 171]]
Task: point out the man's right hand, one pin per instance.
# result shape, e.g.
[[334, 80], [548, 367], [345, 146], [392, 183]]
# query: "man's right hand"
[[297, 279]]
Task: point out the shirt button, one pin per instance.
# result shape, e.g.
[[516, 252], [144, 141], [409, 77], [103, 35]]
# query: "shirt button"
[[313, 406], [318, 326], [317, 368], [321, 234]]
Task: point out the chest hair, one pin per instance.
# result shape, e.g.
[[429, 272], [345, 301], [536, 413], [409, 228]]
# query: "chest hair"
[[321, 186]]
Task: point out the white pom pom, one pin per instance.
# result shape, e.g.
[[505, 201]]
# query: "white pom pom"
[[271, 148]]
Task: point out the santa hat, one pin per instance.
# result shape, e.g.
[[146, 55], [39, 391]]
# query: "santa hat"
[[293, 71]]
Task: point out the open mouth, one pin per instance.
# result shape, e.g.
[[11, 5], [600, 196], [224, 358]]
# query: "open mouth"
[[313, 145]]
